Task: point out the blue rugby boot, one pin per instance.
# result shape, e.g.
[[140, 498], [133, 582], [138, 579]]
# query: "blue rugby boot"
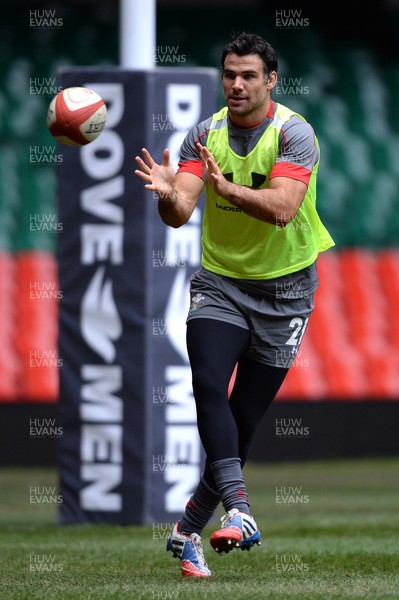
[[190, 551]]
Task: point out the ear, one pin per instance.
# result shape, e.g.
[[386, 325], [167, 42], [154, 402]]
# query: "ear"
[[272, 80]]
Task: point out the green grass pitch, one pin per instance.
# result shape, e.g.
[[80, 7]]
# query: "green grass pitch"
[[330, 530]]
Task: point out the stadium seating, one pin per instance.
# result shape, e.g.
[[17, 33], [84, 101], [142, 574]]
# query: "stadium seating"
[[352, 330]]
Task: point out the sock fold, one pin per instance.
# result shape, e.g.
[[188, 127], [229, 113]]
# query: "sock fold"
[[229, 479]]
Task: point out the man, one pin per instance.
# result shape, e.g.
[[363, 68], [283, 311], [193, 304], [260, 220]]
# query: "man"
[[252, 298]]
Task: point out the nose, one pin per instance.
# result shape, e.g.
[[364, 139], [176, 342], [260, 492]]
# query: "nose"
[[238, 83]]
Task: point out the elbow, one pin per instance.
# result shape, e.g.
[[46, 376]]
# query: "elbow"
[[173, 222], [283, 219], [175, 225]]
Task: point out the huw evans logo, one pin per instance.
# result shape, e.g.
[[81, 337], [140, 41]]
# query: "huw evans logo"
[[290, 563], [44, 428], [44, 222], [291, 428], [44, 155], [291, 86], [169, 55], [289, 495], [44, 495], [44, 563], [291, 19]]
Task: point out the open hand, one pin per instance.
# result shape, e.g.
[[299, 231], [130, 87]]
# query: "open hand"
[[214, 175], [157, 178]]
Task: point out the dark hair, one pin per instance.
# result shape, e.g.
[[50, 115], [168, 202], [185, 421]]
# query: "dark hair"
[[250, 43]]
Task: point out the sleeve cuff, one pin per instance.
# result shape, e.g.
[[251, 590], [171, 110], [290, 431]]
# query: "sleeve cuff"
[[191, 166], [286, 169]]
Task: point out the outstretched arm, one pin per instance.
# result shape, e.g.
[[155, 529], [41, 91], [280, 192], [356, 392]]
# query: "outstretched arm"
[[178, 193]]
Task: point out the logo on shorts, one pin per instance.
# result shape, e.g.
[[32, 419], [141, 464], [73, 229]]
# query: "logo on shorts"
[[195, 301]]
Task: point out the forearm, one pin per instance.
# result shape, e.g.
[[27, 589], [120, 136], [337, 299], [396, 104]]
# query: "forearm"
[[172, 209], [179, 200], [277, 206]]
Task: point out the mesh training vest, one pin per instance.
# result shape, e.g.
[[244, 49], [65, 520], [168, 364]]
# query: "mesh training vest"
[[237, 245]]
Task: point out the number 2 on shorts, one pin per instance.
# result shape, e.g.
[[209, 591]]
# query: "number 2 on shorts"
[[299, 326]]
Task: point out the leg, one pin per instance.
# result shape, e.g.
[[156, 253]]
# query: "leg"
[[255, 388], [214, 348], [256, 384]]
